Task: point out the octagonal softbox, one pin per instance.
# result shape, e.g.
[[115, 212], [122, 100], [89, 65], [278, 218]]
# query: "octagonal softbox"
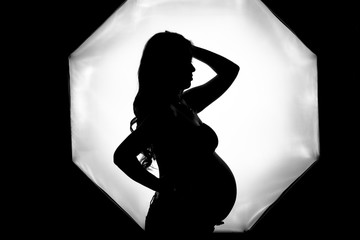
[[267, 122]]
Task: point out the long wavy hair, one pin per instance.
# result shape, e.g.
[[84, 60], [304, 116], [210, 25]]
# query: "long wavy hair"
[[159, 56]]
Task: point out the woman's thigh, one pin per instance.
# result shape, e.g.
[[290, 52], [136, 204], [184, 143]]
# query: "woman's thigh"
[[174, 215]]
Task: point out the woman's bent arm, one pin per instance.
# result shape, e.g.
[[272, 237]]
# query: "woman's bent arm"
[[125, 159], [220, 64], [202, 96]]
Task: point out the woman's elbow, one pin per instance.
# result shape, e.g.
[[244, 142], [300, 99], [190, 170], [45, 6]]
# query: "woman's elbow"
[[117, 158], [235, 70]]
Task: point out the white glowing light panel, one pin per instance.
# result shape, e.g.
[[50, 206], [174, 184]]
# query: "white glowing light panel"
[[267, 122]]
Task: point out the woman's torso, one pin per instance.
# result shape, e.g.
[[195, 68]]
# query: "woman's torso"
[[186, 155]]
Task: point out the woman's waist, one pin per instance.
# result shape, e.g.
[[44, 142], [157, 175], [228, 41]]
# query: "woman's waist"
[[206, 171], [204, 183], [198, 190], [213, 194], [210, 176], [205, 165]]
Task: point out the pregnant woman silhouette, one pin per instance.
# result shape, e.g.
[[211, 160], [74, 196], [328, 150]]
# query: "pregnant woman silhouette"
[[195, 190]]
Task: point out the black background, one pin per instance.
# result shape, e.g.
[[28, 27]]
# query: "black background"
[[47, 196]]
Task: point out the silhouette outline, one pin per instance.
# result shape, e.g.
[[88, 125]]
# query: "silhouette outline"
[[188, 200]]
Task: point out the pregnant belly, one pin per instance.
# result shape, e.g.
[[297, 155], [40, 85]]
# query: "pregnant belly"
[[210, 189]]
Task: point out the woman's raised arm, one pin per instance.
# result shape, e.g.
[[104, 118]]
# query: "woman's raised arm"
[[202, 96]]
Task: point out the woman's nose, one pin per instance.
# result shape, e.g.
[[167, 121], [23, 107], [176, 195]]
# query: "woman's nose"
[[192, 68]]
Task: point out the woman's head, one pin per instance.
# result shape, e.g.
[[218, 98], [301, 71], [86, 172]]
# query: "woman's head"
[[166, 63], [165, 71]]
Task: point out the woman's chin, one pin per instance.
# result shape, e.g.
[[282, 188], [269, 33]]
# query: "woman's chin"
[[187, 85]]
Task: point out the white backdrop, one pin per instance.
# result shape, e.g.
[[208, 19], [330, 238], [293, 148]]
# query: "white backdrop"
[[267, 122]]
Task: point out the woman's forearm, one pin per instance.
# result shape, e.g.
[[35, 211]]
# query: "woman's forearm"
[[133, 169], [218, 63]]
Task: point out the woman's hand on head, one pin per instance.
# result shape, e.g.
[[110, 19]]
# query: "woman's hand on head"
[[194, 50]]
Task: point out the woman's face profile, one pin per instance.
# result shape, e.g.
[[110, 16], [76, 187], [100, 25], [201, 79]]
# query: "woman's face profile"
[[181, 70]]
